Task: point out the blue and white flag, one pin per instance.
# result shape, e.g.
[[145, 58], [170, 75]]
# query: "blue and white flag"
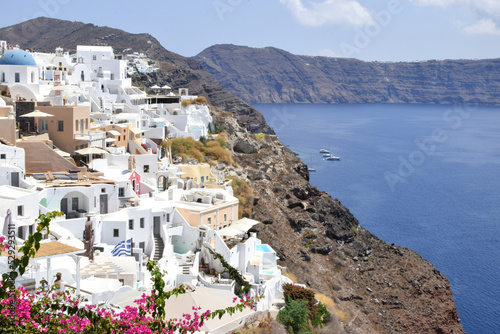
[[123, 248]]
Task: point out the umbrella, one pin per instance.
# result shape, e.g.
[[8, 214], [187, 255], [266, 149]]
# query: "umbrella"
[[37, 113], [65, 87], [155, 87], [166, 87], [90, 150], [7, 222]]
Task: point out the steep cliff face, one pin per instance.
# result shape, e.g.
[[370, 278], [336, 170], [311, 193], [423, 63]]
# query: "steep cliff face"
[[382, 288], [271, 75]]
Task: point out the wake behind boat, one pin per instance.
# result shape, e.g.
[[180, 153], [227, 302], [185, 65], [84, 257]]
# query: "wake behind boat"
[[332, 157]]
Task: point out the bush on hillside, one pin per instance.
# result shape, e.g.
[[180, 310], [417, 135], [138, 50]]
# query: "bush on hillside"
[[244, 194], [294, 316]]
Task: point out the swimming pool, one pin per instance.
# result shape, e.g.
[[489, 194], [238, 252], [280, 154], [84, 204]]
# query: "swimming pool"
[[264, 248]]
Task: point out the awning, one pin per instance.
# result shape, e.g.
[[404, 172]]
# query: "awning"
[[90, 150], [256, 260], [229, 232], [110, 140], [244, 224], [114, 132]]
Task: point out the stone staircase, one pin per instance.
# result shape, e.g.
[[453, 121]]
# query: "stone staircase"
[[5, 142], [159, 246]]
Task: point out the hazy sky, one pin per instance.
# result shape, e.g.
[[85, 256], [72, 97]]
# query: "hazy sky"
[[383, 30]]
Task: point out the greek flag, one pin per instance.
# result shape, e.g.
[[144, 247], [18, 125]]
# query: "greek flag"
[[122, 248]]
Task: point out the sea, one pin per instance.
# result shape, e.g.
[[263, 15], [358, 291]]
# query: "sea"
[[426, 177]]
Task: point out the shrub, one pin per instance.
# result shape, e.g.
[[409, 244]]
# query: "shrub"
[[294, 316], [185, 148], [4, 92], [317, 311], [222, 140], [200, 100], [244, 194], [260, 136], [215, 152]]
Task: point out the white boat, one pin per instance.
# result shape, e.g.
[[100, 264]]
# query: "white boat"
[[324, 151], [311, 169], [332, 157]]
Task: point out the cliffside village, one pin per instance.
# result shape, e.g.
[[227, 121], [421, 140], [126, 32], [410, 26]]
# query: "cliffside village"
[[77, 137]]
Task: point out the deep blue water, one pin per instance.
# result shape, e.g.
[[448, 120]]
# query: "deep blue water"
[[421, 176]]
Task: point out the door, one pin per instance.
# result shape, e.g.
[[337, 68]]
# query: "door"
[[156, 225], [64, 206], [103, 203], [14, 179]]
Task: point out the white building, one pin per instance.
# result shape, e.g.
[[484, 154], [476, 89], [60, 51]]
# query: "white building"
[[19, 70]]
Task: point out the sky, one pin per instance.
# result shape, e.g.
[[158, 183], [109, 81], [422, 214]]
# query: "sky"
[[374, 30]]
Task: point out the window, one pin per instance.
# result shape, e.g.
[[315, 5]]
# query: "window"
[[141, 222], [32, 77], [225, 218], [74, 203], [116, 232], [60, 126], [103, 190], [121, 192], [17, 77], [20, 210], [94, 57], [132, 244], [168, 217], [142, 245], [87, 124], [130, 224], [3, 156], [3, 76], [146, 168], [209, 221], [112, 76], [76, 125]]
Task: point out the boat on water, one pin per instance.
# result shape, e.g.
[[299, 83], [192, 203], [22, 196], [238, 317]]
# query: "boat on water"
[[324, 151], [332, 157], [325, 155], [311, 169]]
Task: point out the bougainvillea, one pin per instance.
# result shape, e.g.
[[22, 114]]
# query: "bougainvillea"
[[62, 312]]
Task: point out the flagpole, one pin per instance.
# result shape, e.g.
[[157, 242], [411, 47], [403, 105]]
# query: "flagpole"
[[131, 247]]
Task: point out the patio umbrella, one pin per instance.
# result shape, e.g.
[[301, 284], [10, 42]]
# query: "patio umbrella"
[[166, 87], [155, 87], [90, 150], [37, 113]]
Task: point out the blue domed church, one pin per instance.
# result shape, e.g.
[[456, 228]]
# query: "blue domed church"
[[19, 70]]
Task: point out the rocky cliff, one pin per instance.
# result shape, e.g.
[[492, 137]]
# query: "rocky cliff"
[[270, 75], [381, 288], [378, 288]]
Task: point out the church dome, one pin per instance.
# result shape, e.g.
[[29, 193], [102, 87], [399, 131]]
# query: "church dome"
[[17, 57]]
